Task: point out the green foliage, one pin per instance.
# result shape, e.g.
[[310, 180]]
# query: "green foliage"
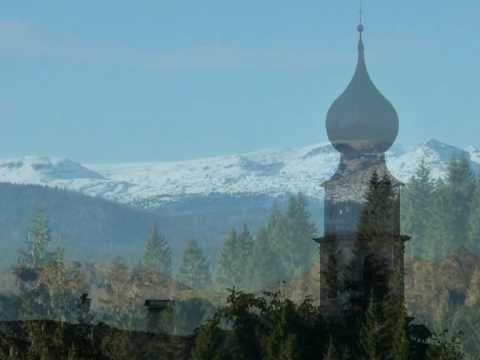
[[474, 224], [294, 242], [208, 341], [157, 256], [190, 314], [370, 332], [237, 251], [194, 269], [284, 246], [256, 327], [121, 301], [38, 240], [400, 343], [265, 265], [378, 218], [442, 216], [90, 227], [49, 287], [417, 210], [445, 347]]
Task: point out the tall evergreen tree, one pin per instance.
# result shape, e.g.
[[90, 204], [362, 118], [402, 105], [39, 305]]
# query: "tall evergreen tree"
[[265, 265], [37, 251], [370, 332], [194, 268], [297, 248], [400, 343], [417, 203], [157, 256], [453, 203], [474, 223], [376, 233], [49, 287], [236, 252]]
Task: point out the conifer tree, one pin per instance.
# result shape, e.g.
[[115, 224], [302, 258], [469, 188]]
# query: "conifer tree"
[[370, 332], [377, 229], [157, 256], [49, 287], [400, 342], [474, 223], [194, 269], [297, 247], [417, 211], [453, 203], [236, 252], [37, 251], [266, 266]]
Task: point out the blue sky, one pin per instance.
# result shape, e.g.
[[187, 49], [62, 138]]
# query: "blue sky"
[[110, 81]]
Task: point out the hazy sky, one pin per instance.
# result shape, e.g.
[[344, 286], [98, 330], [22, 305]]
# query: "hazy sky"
[[113, 81]]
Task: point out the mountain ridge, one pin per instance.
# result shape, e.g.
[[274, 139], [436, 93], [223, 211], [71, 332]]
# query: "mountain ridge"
[[271, 172]]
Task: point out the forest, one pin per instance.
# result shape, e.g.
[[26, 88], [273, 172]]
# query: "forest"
[[260, 298]]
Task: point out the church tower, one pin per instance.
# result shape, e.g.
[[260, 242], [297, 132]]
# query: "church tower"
[[362, 125]]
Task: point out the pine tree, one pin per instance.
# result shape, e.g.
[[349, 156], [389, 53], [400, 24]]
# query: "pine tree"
[[235, 253], [265, 266], [400, 343], [157, 256], [377, 232], [370, 332], [297, 247], [47, 284], [378, 216], [454, 203], [38, 241], [417, 203], [474, 223], [194, 269], [440, 228]]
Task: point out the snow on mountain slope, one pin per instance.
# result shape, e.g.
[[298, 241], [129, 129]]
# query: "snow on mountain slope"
[[38, 169], [269, 172]]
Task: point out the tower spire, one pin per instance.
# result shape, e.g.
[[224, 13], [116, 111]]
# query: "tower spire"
[[361, 12], [360, 29], [360, 26]]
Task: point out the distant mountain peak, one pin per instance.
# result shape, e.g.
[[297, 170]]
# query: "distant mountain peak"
[[39, 169], [268, 173]]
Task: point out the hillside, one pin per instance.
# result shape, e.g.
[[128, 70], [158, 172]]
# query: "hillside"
[[87, 227], [200, 199]]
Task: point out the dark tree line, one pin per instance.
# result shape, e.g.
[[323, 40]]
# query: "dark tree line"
[[376, 324], [442, 215]]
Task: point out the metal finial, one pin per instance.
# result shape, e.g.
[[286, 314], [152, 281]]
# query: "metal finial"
[[360, 26], [361, 11]]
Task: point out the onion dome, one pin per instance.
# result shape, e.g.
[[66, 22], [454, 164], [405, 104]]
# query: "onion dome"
[[362, 120]]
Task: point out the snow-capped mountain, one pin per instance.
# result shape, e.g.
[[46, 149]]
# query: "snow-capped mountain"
[[270, 172]]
